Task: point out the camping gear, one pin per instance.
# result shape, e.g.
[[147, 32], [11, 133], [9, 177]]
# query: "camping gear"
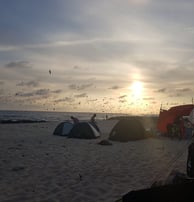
[[63, 128], [127, 129], [95, 126], [168, 117], [83, 130], [104, 142]]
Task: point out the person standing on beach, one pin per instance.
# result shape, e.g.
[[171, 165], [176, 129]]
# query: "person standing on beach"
[[93, 119], [182, 128], [188, 129], [93, 122], [75, 120]]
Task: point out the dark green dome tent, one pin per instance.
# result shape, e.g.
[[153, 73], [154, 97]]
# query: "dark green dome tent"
[[83, 130], [63, 128], [127, 129]]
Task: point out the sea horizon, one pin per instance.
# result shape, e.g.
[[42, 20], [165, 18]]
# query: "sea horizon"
[[56, 115], [51, 115]]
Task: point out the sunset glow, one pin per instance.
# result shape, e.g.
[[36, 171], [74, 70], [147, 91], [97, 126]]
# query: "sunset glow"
[[137, 88], [74, 56]]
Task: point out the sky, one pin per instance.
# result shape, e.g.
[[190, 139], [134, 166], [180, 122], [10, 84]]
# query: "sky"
[[118, 56]]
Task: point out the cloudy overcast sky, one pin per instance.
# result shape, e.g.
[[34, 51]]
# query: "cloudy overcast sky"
[[126, 56]]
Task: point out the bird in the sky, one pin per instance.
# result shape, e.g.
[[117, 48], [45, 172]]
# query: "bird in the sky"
[[49, 71]]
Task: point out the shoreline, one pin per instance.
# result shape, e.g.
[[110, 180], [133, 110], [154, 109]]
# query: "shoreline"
[[12, 121]]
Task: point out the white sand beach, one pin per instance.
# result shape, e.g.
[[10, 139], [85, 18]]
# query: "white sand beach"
[[38, 166]]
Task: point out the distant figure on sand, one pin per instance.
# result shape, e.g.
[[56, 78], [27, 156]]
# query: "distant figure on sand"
[[93, 122], [188, 129], [93, 118], [75, 120]]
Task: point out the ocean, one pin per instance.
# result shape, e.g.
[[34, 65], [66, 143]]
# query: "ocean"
[[50, 116]]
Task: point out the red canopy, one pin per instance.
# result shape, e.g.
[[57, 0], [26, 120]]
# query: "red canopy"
[[168, 116]]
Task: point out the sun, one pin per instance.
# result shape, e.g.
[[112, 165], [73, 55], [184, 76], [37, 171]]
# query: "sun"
[[137, 88]]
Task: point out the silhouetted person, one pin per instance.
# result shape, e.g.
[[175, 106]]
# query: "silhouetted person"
[[93, 122], [93, 118], [75, 120]]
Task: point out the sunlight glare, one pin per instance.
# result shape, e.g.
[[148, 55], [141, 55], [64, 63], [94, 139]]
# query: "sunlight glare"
[[136, 88]]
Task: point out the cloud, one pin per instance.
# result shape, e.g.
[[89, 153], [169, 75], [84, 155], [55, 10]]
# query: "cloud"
[[183, 90], [161, 90], [179, 92], [76, 67], [122, 101], [115, 87], [66, 99], [21, 94], [92, 100], [98, 50], [123, 96], [19, 65], [77, 40], [7, 48], [149, 98], [42, 92], [28, 84], [57, 91], [39, 92], [24, 26], [81, 95], [84, 86], [80, 87], [72, 87]]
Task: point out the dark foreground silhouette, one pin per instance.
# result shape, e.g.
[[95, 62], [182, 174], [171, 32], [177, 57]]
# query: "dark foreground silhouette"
[[182, 192]]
